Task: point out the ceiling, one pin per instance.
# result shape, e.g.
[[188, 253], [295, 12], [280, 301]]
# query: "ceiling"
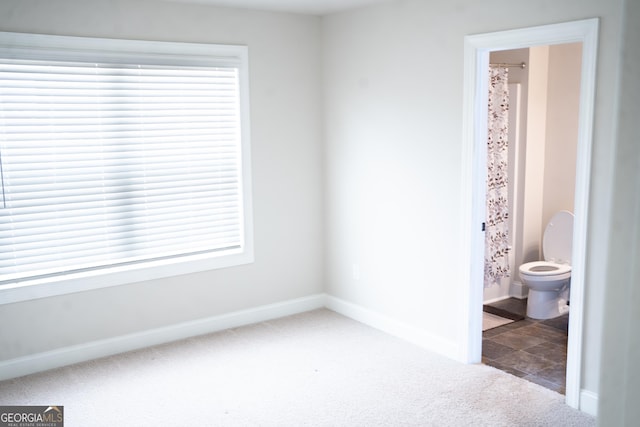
[[310, 7]]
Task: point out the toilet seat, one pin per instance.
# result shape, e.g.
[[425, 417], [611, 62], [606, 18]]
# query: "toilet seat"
[[544, 268], [556, 244]]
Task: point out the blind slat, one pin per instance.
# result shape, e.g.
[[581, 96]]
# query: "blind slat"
[[106, 164]]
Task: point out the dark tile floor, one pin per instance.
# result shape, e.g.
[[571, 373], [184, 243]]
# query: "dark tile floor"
[[535, 350]]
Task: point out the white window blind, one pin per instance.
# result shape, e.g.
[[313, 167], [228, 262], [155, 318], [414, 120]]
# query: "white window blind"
[[107, 163]]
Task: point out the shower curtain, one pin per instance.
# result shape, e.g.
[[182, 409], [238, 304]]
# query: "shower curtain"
[[496, 259]]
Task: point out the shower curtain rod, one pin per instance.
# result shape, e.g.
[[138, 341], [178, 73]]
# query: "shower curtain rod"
[[504, 65]]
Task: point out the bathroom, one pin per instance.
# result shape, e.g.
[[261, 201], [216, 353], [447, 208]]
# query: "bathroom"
[[543, 134]]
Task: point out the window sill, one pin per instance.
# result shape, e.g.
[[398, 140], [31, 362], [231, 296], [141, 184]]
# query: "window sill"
[[116, 276]]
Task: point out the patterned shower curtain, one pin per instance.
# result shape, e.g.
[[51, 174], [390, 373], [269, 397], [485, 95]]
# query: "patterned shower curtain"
[[496, 258]]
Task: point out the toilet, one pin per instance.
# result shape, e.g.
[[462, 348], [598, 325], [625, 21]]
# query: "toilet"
[[549, 280]]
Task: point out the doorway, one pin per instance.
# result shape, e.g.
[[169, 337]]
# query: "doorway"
[[536, 175], [477, 50]]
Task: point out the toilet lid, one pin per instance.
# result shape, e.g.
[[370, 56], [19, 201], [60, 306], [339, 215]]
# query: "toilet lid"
[[558, 238]]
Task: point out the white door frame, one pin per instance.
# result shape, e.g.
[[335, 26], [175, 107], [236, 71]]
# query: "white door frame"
[[476, 68]]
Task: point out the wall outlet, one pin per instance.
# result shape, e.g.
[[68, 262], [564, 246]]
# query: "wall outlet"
[[355, 271]]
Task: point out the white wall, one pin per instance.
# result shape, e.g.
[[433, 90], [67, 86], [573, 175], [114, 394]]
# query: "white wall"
[[532, 224], [620, 372], [552, 136], [284, 60], [563, 104], [393, 155]]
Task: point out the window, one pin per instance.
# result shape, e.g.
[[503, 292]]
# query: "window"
[[122, 159]]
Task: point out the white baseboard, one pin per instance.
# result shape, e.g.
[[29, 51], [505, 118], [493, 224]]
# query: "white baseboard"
[[38, 362], [43, 361], [393, 327], [518, 290], [492, 300], [589, 402]]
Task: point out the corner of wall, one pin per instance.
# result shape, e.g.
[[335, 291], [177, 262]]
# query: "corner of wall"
[[393, 327]]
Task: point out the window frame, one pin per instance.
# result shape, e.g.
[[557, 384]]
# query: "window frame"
[[39, 45]]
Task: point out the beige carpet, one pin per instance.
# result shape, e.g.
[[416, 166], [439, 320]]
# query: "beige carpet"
[[313, 369]]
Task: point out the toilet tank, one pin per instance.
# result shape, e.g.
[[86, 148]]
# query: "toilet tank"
[[557, 242]]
